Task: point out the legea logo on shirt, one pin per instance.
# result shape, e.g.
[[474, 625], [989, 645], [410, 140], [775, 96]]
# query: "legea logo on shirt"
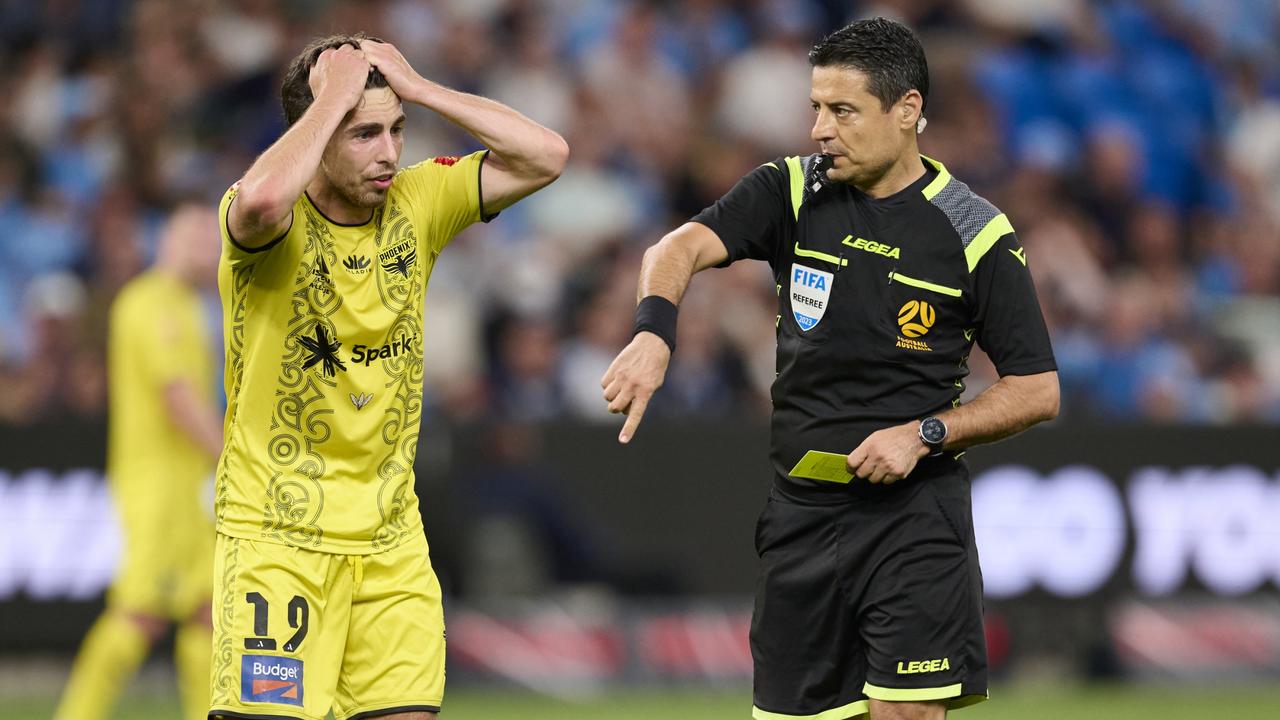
[[810, 294], [271, 679]]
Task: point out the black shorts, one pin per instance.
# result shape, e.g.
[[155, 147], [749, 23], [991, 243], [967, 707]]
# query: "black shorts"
[[879, 597]]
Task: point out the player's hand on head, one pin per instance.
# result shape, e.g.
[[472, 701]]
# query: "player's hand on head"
[[887, 455], [633, 377], [342, 72], [392, 64]]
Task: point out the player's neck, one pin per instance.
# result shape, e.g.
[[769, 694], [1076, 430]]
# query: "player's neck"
[[334, 206], [907, 169]]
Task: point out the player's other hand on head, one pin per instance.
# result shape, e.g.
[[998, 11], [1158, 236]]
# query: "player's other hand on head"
[[887, 455], [633, 377], [341, 72], [392, 64]]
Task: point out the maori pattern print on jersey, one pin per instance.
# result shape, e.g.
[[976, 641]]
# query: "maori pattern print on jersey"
[[301, 421], [241, 278], [226, 682], [397, 249], [401, 287]]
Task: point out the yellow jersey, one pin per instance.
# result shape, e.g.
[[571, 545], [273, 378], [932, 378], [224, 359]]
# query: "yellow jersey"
[[158, 334], [324, 355]]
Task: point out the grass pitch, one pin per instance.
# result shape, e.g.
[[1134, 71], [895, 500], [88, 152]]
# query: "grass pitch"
[[1085, 702]]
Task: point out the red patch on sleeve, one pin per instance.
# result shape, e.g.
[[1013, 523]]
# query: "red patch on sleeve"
[[445, 159]]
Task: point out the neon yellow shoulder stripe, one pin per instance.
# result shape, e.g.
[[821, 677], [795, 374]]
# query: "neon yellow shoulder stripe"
[[853, 709], [912, 695], [796, 174], [801, 252], [772, 165], [935, 187], [998, 227]]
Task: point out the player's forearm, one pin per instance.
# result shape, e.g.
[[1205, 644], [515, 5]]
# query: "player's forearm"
[[197, 419], [1013, 404], [279, 176], [524, 147]]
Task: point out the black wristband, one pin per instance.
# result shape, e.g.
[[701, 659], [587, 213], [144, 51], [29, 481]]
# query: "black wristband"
[[657, 315]]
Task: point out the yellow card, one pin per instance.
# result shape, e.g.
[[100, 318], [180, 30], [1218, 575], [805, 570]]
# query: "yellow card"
[[826, 466]]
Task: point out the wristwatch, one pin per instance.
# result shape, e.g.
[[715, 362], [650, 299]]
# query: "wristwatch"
[[933, 433]]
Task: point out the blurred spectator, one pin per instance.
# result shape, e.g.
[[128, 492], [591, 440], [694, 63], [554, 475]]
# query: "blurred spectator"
[[764, 95], [1135, 146]]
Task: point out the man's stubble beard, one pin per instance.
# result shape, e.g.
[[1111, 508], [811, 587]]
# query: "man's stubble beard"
[[862, 176], [368, 199]]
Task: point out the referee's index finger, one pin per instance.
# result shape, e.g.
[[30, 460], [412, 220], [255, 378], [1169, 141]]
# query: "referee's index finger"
[[634, 413]]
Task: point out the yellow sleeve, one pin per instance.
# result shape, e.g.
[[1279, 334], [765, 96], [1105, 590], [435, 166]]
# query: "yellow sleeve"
[[445, 191], [233, 252]]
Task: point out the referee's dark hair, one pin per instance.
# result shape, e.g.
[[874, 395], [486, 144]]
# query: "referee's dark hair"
[[887, 51]]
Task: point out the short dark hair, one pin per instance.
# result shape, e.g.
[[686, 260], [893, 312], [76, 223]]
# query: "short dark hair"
[[295, 91], [887, 51]]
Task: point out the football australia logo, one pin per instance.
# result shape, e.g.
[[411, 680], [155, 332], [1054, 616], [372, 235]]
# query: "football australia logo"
[[914, 320]]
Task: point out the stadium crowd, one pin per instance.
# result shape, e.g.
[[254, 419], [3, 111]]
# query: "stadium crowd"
[[1134, 145]]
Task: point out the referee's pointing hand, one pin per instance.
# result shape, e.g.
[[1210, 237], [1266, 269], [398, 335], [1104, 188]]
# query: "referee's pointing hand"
[[633, 377]]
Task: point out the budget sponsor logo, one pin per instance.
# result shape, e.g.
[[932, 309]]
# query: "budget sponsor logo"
[[271, 679]]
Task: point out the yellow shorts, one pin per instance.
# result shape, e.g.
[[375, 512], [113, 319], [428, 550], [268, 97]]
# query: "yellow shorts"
[[298, 633], [166, 567]]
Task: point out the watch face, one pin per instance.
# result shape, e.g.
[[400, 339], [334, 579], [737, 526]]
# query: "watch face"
[[933, 431]]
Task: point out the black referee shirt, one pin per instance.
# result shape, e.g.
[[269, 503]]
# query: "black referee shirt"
[[879, 301]]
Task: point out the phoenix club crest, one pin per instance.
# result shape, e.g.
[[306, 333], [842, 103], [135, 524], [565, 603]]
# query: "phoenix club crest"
[[401, 263]]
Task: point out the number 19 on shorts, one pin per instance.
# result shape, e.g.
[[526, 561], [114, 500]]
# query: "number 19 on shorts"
[[262, 640]]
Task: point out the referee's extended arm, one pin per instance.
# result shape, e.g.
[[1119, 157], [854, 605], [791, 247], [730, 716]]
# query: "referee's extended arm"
[[639, 369]]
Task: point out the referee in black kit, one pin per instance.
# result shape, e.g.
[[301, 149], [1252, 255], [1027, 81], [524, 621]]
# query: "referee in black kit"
[[869, 599]]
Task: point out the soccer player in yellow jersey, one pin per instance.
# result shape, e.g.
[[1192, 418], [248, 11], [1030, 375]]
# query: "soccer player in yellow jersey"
[[324, 596], [164, 435]]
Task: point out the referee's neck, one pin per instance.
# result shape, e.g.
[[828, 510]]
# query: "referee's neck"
[[907, 169]]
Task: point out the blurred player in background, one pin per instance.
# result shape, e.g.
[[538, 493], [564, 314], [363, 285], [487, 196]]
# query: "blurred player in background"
[[888, 269], [326, 598], [165, 435]]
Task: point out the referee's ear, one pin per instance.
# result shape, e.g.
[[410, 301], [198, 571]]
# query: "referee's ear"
[[910, 107]]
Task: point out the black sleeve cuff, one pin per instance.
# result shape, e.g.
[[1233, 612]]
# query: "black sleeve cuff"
[[226, 225], [480, 189]]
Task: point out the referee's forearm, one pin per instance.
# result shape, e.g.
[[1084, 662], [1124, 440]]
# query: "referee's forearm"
[[1013, 404], [669, 265], [666, 271]]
